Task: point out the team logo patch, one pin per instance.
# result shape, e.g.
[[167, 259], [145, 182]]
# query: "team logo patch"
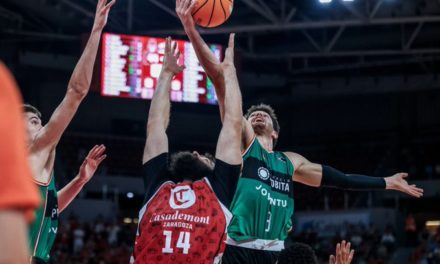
[[182, 197], [263, 173]]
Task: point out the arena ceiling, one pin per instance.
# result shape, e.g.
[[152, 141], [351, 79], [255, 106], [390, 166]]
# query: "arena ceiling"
[[298, 37]]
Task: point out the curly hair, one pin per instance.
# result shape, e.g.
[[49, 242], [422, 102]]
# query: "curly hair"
[[184, 165], [298, 253]]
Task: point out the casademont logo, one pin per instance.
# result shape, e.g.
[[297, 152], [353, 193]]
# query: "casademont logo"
[[182, 197]]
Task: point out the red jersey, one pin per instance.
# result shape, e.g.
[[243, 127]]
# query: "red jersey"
[[184, 222]]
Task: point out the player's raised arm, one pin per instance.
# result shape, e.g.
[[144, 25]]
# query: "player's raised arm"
[[78, 86], [229, 142], [209, 62], [316, 175], [159, 114], [207, 59], [86, 171], [343, 254]]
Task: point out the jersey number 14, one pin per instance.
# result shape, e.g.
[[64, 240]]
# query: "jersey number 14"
[[182, 242]]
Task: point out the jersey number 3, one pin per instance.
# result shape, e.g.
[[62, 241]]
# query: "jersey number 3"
[[182, 242], [269, 217]]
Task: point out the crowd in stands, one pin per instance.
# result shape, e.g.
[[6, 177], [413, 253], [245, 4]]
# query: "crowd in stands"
[[370, 244], [427, 248], [111, 242], [101, 242]]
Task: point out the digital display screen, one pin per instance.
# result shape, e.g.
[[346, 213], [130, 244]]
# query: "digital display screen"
[[131, 66]]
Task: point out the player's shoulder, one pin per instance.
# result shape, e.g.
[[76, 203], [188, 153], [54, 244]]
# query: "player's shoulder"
[[294, 157], [38, 146]]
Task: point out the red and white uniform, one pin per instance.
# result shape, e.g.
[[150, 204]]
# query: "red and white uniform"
[[184, 222]]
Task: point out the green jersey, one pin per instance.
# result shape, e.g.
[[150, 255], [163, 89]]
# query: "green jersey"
[[44, 229], [263, 203]]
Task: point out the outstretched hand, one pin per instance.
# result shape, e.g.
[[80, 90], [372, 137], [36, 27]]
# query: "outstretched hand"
[[171, 58], [398, 183], [343, 254], [91, 162], [184, 9], [101, 16], [229, 54]]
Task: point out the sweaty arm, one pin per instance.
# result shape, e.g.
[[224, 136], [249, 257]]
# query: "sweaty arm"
[[78, 86], [228, 151], [86, 171], [159, 114], [229, 142], [317, 175], [219, 77], [209, 62], [320, 175], [207, 59]]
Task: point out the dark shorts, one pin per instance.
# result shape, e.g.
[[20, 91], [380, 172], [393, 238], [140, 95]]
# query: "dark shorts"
[[240, 255], [39, 261]]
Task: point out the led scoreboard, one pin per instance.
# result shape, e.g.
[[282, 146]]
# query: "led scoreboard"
[[131, 66]]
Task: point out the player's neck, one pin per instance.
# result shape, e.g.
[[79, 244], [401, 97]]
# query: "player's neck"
[[266, 142]]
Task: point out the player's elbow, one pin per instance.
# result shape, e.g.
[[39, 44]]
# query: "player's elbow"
[[78, 90], [233, 124], [154, 124], [232, 120]]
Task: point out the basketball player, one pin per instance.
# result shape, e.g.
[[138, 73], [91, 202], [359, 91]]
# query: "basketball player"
[[185, 214], [263, 203], [42, 141], [18, 195]]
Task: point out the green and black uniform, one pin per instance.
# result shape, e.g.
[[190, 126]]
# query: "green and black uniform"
[[44, 229], [262, 207]]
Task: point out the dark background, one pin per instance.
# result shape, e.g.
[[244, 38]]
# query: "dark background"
[[355, 85]]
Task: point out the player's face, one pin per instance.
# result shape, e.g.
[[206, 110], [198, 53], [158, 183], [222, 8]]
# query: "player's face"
[[33, 126], [261, 122], [204, 159]]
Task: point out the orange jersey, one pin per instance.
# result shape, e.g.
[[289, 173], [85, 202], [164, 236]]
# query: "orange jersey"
[[17, 190]]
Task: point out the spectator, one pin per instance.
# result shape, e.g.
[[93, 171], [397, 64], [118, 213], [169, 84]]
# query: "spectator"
[[78, 241], [388, 239], [410, 230]]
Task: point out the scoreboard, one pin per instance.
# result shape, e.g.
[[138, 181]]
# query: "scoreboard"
[[131, 66]]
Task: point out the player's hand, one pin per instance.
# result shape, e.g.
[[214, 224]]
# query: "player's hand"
[[343, 254], [184, 9], [228, 62], [398, 183], [91, 162], [171, 58], [102, 10]]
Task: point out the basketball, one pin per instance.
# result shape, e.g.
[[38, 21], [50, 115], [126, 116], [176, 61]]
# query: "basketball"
[[212, 13]]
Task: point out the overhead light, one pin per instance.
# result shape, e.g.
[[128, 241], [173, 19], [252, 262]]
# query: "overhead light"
[[433, 223], [130, 195], [128, 220], [325, 1], [347, 0]]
